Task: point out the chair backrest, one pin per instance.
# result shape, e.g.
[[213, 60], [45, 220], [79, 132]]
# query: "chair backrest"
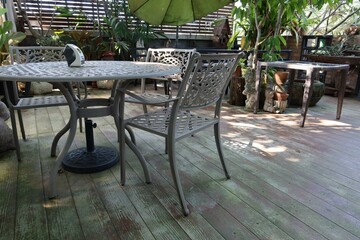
[[206, 79], [36, 54], [173, 56]]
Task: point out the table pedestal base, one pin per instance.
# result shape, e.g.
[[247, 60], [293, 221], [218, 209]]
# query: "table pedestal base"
[[82, 161]]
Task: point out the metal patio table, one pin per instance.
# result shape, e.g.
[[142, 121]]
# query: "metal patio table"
[[311, 69], [62, 77]]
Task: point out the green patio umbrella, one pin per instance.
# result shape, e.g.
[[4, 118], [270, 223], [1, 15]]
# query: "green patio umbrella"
[[174, 12]]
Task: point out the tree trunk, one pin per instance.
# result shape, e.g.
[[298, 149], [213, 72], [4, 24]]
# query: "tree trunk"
[[237, 86]]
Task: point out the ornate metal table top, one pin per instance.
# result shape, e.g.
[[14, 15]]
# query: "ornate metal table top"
[[90, 71]]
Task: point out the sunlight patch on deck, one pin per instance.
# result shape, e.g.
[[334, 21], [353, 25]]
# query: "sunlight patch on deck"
[[332, 123], [293, 159], [270, 150]]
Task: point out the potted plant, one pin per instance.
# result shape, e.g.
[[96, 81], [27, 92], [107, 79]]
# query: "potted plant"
[[344, 50]]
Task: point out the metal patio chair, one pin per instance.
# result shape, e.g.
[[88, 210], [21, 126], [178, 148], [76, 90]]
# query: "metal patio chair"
[[32, 54], [203, 85]]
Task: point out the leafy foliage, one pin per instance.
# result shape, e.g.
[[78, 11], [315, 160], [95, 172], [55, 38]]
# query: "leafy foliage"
[[7, 37], [262, 23], [342, 47], [125, 31]]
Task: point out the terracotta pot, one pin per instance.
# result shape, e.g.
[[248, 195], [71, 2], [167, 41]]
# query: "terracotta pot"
[[281, 96], [109, 56], [281, 77]]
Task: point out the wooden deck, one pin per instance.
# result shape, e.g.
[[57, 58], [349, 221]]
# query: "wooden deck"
[[287, 182]]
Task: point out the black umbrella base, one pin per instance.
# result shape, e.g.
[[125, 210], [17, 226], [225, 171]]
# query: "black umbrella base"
[[82, 161]]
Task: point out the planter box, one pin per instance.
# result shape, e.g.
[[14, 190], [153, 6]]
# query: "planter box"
[[351, 60]]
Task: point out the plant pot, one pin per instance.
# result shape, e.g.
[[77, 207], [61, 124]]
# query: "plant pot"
[[108, 56], [297, 92], [281, 96], [281, 77]]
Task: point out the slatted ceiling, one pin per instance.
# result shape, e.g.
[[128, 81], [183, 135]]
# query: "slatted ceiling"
[[94, 10]]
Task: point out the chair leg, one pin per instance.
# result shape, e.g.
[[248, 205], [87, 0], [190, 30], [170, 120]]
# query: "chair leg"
[[166, 88], [140, 157], [15, 135], [166, 145], [145, 108], [219, 148], [80, 125], [21, 123], [155, 85], [131, 133], [175, 175]]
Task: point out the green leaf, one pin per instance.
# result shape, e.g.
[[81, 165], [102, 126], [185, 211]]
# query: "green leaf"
[[7, 26], [282, 39], [3, 11], [64, 11], [16, 37]]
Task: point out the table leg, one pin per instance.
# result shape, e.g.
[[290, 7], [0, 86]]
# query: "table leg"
[[73, 124], [57, 138], [308, 88], [341, 92], [357, 88]]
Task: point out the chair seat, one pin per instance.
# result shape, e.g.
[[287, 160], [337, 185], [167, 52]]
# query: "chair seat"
[[42, 101], [158, 122], [149, 97]]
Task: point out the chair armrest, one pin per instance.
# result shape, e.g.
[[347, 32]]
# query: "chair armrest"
[[146, 101]]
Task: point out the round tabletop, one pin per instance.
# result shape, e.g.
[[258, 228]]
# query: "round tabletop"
[[90, 71]]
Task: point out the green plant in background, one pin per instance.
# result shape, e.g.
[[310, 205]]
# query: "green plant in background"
[[92, 45], [7, 37], [120, 33], [124, 30], [344, 46], [91, 42], [261, 23]]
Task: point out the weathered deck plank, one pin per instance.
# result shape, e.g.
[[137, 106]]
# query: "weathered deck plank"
[[202, 196], [62, 210], [201, 203], [287, 182], [31, 221], [8, 186]]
